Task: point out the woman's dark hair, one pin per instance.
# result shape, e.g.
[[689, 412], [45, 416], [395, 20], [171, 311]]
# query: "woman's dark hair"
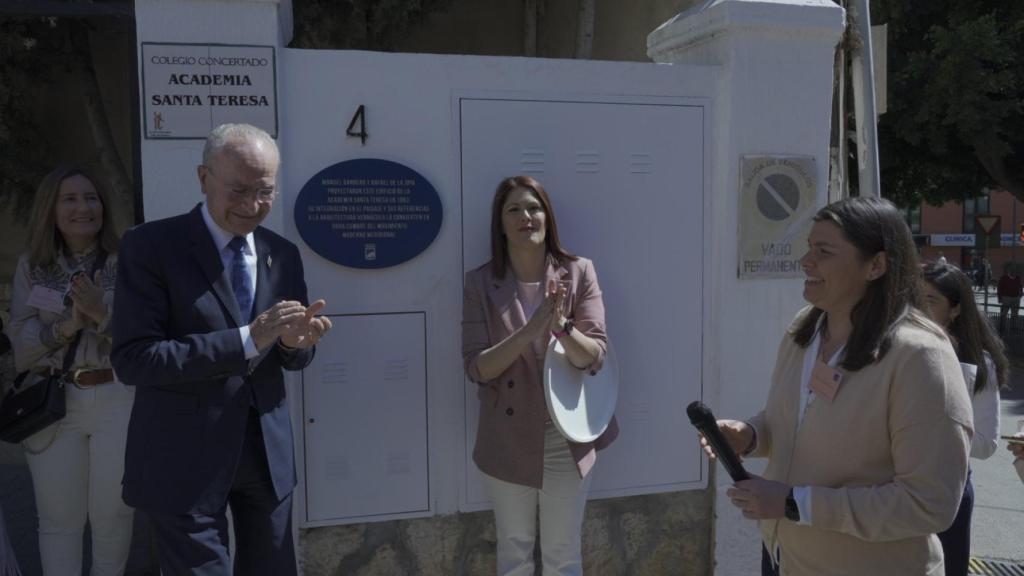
[[972, 334], [872, 225], [499, 244]]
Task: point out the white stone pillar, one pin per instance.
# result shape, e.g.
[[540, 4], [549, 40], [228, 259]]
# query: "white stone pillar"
[[773, 97], [169, 166]]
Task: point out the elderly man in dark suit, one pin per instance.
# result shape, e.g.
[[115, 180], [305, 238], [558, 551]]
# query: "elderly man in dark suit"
[[210, 309]]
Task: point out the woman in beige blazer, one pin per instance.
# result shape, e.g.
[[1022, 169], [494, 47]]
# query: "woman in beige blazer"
[[867, 427], [530, 291]]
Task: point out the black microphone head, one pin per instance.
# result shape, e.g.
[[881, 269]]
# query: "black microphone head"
[[699, 413]]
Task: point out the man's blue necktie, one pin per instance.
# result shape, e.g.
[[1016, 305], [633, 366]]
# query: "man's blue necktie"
[[241, 281]]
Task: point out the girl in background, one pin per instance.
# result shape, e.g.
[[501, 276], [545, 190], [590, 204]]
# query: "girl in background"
[[950, 303]]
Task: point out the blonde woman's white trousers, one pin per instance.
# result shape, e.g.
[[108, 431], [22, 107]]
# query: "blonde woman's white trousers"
[[77, 476]]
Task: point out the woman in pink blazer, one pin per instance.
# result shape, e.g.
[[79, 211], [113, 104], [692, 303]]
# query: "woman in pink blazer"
[[530, 291]]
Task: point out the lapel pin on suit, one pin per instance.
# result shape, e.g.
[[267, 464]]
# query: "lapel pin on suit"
[[269, 260]]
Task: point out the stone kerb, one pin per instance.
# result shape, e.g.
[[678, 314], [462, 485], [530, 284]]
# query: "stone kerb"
[[651, 535]]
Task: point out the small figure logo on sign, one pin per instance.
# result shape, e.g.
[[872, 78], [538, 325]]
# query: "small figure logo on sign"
[[370, 252], [158, 121]]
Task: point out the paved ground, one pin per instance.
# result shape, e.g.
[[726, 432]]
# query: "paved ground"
[[998, 527], [998, 524]]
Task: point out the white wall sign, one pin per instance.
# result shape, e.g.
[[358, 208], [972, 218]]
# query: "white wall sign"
[[188, 89], [952, 240], [777, 202]]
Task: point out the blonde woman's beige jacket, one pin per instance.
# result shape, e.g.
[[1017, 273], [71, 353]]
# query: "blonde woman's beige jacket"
[[886, 460], [31, 328]]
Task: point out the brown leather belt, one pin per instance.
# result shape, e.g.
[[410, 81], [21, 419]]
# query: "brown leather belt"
[[81, 378], [90, 378]]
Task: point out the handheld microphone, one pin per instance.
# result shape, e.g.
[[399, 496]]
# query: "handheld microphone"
[[704, 421]]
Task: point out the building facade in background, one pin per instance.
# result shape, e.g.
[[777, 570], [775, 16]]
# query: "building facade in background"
[[952, 230]]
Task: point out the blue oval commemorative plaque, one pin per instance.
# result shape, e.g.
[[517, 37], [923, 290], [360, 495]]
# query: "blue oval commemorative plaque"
[[368, 213]]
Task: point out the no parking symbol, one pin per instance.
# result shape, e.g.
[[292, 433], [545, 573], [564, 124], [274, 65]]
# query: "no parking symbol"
[[778, 197], [777, 201]]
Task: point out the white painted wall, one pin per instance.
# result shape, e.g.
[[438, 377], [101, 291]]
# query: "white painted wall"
[[415, 108], [413, 116], [774, 97]]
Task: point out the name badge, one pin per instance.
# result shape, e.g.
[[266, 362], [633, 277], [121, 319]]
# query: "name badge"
[[825, 381], [46, 299]]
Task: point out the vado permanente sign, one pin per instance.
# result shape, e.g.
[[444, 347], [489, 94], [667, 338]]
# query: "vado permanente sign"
[[188, 89], [777, 203]]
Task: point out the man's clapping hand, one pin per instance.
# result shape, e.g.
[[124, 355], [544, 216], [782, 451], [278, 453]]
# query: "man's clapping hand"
[[308, 330], [294, 324]]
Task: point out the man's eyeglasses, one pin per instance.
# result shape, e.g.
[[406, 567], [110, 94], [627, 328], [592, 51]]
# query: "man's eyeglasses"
[[239, 193]]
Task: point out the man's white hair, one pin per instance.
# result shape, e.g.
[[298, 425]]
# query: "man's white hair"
[[226, 134]]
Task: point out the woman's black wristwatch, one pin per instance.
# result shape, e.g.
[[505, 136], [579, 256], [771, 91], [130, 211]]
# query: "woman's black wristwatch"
[[565, 330], [792, 510]]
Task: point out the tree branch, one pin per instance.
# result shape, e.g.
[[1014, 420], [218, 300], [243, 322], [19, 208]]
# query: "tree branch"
[[530, 28], [585, 30], [103, 138], [991, 152]]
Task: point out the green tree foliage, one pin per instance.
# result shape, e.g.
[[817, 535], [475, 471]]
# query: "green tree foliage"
[[26, 153], [35, 53], [955, 122], [358, 24]]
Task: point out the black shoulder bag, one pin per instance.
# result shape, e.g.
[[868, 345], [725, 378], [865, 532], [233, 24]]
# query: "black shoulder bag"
[[28, 409]]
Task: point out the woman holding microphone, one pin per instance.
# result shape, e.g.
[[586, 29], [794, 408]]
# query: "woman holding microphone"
[[530, 291], [867, 425]]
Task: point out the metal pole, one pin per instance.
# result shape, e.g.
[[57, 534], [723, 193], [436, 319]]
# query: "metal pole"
[[838, 180], [863, 72]]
